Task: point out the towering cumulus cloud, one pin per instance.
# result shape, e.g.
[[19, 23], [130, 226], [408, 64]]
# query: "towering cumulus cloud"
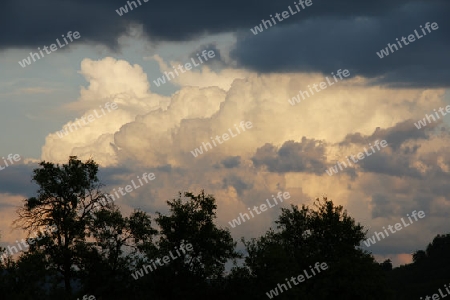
[[288, 148]]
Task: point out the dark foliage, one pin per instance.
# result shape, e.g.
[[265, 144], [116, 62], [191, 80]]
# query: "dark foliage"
[[95, 250]]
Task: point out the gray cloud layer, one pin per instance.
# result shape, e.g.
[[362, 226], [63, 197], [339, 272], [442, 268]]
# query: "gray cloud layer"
[[350, 41], [323, 38]]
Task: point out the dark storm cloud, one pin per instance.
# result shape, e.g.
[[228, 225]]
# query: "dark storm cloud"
[[306, 156], [216, 63], [27, 23], [324, 37], [328, 43]]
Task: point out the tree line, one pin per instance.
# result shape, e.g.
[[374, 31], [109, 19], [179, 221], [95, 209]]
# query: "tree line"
[[95, 250]]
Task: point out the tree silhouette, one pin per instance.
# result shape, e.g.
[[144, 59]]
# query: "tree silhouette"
[[65, 199], [191, 220], [419, 256], [118, 243], [305, 236], [94, 250]]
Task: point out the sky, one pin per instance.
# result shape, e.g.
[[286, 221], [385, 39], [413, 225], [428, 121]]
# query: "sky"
[[368, 72]]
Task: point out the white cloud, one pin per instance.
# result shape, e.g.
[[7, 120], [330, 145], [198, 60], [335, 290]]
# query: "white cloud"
[[152, 131]]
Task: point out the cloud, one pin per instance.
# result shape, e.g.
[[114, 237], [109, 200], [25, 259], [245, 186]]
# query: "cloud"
[[404, 156], [322, 38], [231, 161], [384, 206], [98, 22], [396, 135], [306, 156], [205, 75], [325, 42], [9, 204], [35, 90], [110, 81], [16, 179], [287, 148]]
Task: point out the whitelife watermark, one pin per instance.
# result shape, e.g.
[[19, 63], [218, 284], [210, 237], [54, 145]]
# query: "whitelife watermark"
[[397, 226], [284, 15], [108, 198], [161, 80], [30, 241], [436, 296], [123, 9], [360, 155], [423, 122], [198, 151], [11, 157], [90, 118], [166, 259], [262, 207], [27, 61], [323, 85], [411, 38], [300, 278]]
